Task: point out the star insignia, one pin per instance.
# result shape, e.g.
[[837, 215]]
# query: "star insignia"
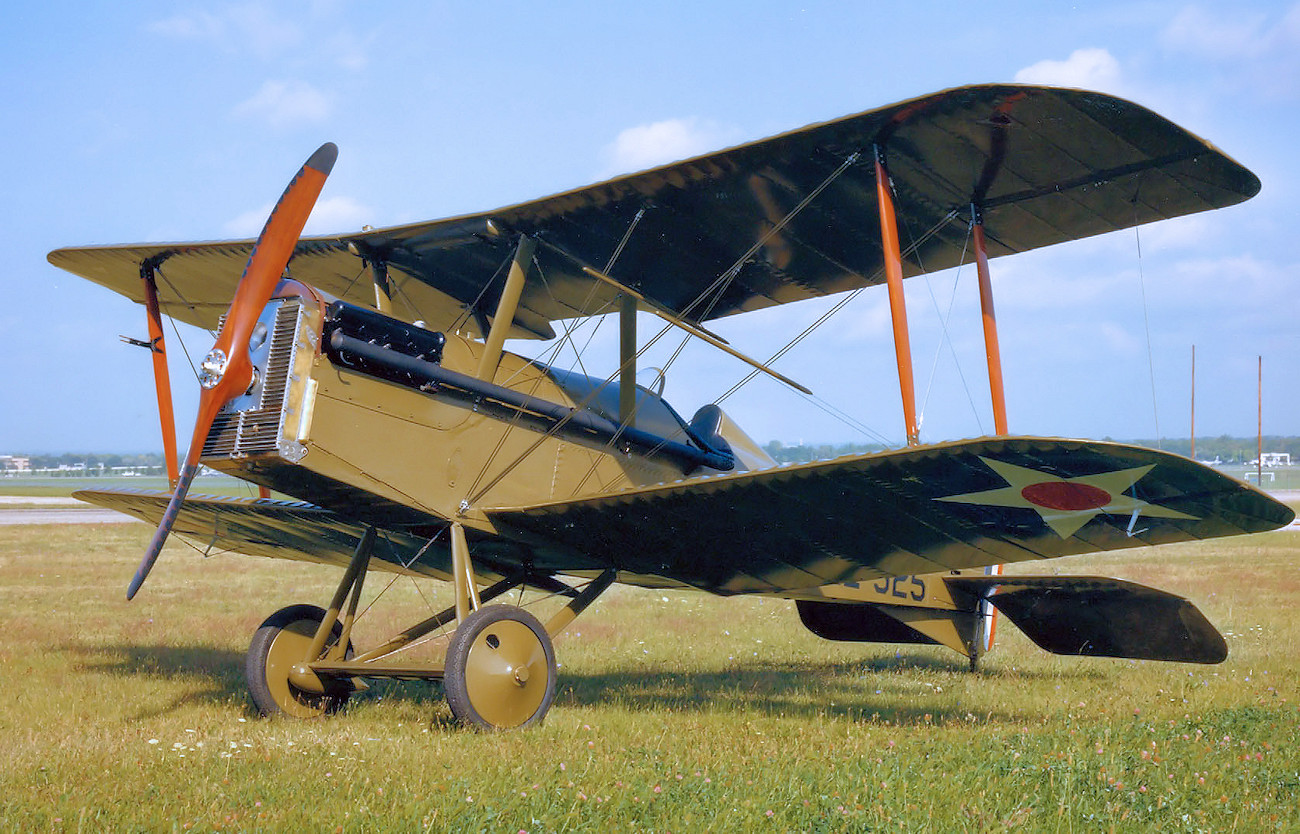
[[1066, 504]]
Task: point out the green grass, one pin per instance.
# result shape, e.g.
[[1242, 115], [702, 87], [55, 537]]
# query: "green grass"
[[676, 712]]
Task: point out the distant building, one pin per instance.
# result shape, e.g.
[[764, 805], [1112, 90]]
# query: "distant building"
[[1274, 459], [15, 463]]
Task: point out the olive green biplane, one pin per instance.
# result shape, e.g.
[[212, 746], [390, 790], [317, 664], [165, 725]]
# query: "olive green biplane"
[[365, 375]]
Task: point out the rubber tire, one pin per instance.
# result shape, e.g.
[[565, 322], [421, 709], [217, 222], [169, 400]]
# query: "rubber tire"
[[477, 667], [297, 623]]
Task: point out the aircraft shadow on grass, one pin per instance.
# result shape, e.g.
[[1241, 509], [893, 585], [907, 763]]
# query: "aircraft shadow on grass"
[[898, 689], [211, 675]]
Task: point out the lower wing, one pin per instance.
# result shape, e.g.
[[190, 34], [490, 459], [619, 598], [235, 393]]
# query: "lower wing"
[[920, 510], [279, 529]]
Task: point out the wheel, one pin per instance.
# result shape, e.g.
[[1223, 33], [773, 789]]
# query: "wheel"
[[281, 642], [500, 669]]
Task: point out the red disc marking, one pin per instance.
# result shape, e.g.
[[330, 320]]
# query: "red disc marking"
[[1063, 495]]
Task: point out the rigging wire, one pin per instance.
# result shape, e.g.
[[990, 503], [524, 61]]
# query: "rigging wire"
[[1146, 321], [944, 318], [566, 338], [872, 280], [176, 330], [355, 279], [724, 280], [463, 319], [599, 316]]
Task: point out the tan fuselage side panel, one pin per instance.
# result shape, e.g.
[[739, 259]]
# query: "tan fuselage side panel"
[[364, 446]]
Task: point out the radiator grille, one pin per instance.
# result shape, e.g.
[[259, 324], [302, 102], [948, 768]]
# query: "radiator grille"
[[252, 424]]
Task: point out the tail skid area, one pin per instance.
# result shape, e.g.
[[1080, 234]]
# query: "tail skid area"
[[1091, 616], [1097, 616]]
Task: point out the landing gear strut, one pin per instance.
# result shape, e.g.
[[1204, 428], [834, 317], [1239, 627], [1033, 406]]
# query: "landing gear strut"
[[499, 671]]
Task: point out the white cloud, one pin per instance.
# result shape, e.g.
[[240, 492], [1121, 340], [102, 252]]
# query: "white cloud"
[[1092, 69], [657, 143], [246, 26], [1256, 52], [338, 214], [330, 214], [1228, 36], [248, 224], [196, 26], [286, 103], [1181, 234]]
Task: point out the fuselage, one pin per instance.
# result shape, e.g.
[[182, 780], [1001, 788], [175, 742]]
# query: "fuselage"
[[408, 433]]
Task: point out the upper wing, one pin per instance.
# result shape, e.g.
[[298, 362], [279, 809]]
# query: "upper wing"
[[1046, 165], [913, 511]]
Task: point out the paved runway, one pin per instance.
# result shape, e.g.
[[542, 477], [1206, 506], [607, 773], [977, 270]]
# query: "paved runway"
[[17, 509]]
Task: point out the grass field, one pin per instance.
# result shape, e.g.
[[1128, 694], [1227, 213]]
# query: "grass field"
[[676, 712]]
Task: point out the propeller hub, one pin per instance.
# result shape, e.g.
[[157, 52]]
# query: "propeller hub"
[[213, 368]]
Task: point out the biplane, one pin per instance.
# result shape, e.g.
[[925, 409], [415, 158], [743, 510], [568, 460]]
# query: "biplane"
[[365, 376]]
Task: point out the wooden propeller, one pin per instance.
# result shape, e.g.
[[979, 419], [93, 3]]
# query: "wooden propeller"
[[227, 370]]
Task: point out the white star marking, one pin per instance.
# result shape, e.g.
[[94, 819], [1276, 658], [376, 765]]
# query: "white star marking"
[[1066, 504]]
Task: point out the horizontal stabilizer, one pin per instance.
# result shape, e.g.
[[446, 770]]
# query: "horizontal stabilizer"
[[856, 623], [1101, 617]]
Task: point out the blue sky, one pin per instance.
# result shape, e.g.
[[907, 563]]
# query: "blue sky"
[[173, 121]]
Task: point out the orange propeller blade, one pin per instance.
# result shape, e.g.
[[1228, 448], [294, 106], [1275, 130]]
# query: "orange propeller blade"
[[227, 370]]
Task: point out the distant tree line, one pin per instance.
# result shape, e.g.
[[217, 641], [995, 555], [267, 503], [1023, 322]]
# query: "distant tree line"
[[782, 453], [73, 460]]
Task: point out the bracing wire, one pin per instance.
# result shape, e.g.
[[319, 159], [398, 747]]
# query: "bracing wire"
[[821, 320], [1146, 321], [944, 318]]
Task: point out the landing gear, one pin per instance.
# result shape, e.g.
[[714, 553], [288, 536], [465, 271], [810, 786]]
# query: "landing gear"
[[282, 642], [500, 670]]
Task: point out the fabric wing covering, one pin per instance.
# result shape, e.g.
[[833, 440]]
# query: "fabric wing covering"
[[929, 509], [771, 222]]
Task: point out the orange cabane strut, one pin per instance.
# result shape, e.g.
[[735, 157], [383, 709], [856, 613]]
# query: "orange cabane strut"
[[897, 306], [991, 349], [161, 380]]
